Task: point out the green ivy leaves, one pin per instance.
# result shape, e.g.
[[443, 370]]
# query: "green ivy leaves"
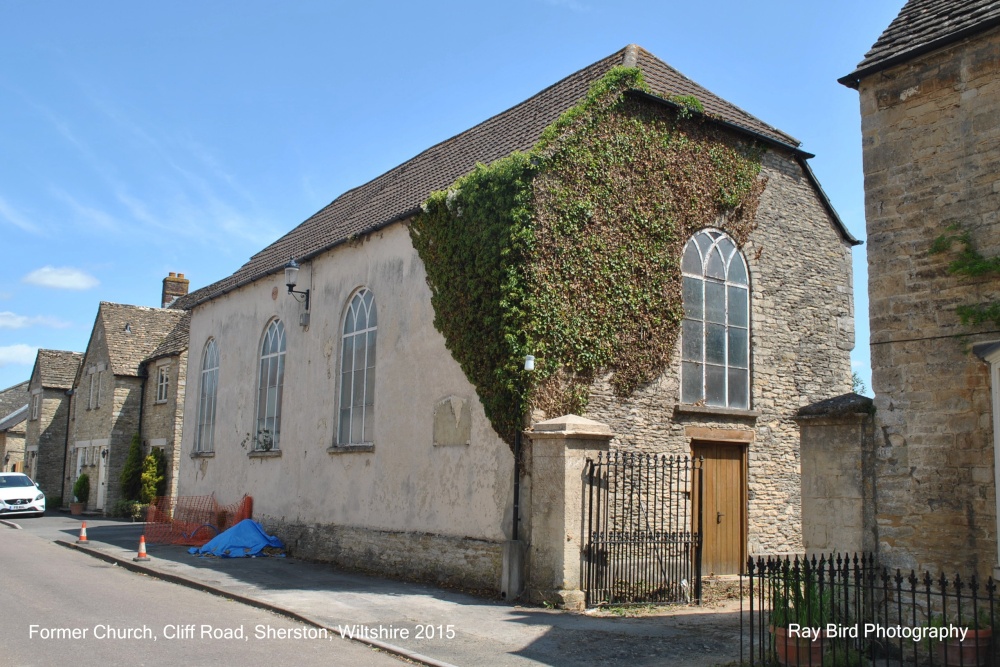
[[570, 252]]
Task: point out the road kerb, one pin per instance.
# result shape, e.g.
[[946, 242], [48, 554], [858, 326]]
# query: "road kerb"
[[253, 602]]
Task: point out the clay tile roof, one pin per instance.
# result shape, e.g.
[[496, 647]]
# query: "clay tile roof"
[[57, 368], [134, 332], [923, 26], [13, 398], [398, 193]]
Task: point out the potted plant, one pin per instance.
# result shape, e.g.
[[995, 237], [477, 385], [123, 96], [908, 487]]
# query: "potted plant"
[[264, 440], [972, 651], [796, 600], [81, 494]]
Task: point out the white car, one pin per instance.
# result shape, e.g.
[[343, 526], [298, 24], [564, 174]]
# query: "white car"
[[19, 495]]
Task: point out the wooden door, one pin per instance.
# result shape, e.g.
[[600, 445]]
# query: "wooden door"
[[724, 531]]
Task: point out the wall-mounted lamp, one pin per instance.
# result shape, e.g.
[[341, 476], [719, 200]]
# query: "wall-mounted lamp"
[[291, 279], [104, 453], [529, 363]]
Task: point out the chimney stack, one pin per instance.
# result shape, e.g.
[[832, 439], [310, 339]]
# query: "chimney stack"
[[174, 286]]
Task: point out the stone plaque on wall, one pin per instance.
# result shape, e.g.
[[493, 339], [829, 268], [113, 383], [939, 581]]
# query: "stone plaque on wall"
[[452, 422]]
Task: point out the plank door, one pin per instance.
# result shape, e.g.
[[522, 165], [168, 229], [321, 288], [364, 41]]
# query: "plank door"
[[724, 522]]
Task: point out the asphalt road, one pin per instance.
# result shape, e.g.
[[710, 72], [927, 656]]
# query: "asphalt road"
[[61, 607]]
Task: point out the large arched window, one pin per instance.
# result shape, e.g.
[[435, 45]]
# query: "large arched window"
[[357, 371], [272, 377], [205, 435], [715, 340]]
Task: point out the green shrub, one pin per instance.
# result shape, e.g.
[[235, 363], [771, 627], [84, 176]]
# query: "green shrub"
[[81, 489], [131, 479], [154, 478], [130, 509]]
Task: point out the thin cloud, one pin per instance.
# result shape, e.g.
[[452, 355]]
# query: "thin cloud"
[[16, 218], [17, 354], [568, 4], [61, 278], [9, 320], [87, 214]]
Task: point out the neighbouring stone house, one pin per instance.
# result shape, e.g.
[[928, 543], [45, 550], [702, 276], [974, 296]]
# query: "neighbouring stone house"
[[131, 381], [930, 119], [343, 411], [13, 415], [47, 432]]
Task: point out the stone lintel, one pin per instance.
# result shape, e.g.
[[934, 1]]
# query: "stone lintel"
[[734, 435]]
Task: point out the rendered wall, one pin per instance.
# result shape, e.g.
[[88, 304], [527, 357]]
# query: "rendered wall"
[[407, 496]]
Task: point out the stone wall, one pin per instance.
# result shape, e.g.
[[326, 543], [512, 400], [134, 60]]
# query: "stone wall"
[[447, 559], [109, 421], [163, 421], [838, 475], [802, 332], [45, 438], [931, 138]]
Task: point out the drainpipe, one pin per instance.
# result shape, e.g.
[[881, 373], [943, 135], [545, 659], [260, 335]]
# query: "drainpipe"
[[143, 375], [69, 411]]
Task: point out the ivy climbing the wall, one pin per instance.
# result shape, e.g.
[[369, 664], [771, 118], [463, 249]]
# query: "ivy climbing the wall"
[[970, 263], [571, 250]]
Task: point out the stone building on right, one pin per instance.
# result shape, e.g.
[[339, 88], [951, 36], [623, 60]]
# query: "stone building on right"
[[930, 117]]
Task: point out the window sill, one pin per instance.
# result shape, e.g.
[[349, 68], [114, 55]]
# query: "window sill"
[[203, 455], [160, 401], [261, 454], [350, 449], [687, 408]]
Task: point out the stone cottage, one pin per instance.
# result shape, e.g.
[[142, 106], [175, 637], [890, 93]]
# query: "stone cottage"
[[335, 400], [930, 120], [13, 415], [47, 433], [131, 381]]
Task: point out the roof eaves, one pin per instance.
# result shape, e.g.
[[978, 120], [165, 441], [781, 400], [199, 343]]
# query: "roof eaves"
[[212, 295], [724, 123], [853, 80]]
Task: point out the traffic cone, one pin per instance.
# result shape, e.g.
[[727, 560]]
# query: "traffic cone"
[[142, 549], [83, 534]]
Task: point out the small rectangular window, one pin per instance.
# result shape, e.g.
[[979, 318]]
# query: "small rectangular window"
[[162, 383]]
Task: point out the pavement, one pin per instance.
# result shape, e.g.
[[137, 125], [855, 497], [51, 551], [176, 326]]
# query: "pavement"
[[419, 622]]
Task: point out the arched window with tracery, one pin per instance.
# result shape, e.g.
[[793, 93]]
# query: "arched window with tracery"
[[357, 370], [715, 338], [269, 387], [205, 435]]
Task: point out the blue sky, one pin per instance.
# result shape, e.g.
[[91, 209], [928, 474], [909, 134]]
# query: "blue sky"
[[142, 138]]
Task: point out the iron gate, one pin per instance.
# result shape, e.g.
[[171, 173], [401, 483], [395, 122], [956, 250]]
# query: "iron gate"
[[643, 529]]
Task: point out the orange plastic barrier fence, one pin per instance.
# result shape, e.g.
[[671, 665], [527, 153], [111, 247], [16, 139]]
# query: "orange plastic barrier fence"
[[192, 520]]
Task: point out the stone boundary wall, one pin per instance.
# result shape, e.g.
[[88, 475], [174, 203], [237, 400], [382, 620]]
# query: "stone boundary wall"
[[465, 561]]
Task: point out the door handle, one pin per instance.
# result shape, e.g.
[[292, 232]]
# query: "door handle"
[[718, 517]]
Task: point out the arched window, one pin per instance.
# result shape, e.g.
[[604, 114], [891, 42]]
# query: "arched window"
[[205, 435], [357, 371], [715, 339], [272, 376]]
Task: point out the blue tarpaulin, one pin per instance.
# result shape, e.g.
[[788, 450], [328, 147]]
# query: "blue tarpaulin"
[[246, 538]]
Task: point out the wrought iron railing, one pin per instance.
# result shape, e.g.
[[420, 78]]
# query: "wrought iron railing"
[[642, 529], [838, 611]]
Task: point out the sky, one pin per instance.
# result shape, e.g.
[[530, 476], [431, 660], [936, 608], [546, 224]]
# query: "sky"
[[140, 138]]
